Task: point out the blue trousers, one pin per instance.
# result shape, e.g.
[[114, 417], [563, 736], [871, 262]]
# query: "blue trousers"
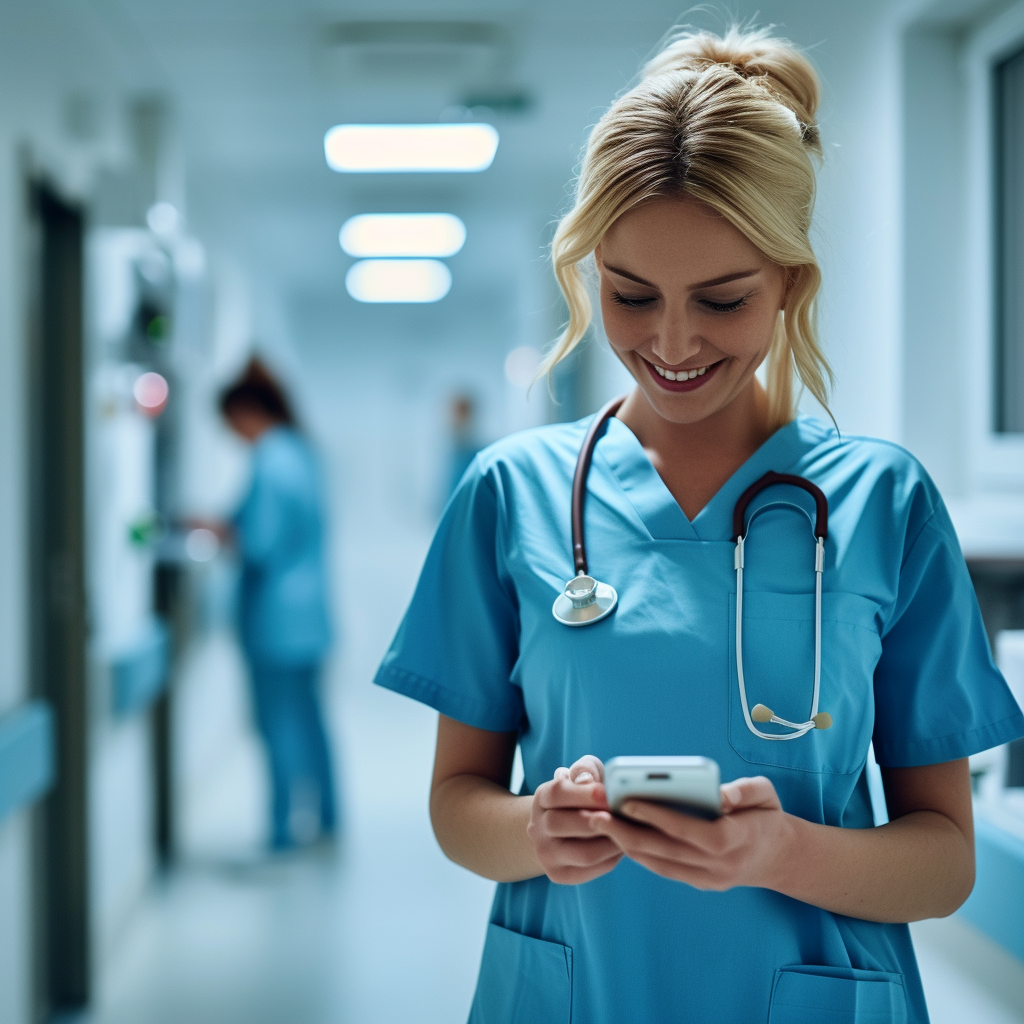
[[290, 720]]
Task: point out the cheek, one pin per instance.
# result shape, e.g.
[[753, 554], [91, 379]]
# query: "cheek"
[[624, 328], [746, 335]]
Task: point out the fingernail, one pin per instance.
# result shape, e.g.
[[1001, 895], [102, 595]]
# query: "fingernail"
[[584, 776]]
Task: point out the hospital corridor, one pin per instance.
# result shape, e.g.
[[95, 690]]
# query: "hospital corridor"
[[281, 282]]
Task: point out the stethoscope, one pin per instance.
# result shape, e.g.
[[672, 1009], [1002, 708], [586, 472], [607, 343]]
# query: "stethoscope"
[[585, 600]]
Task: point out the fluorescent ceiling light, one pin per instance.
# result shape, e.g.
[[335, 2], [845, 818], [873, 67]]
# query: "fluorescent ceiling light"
[[398, 280], [364, 148], [403, 234]]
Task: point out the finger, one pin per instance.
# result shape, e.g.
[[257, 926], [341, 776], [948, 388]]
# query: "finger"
[[698, 877], [561, 773], [587, 769], [566, 824], [746, 793], [677, 824], [563, 793], [584, 853], [565, 875], [636, 840]]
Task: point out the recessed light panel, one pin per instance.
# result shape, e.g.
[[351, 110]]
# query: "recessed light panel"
[[398, 280], [384, 148], [403, 234]]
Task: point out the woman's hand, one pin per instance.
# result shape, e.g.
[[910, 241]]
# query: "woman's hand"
[[566, 843], [743, 847]]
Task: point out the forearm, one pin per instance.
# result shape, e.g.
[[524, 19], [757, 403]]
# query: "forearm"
[[482, 826], [920, 865]]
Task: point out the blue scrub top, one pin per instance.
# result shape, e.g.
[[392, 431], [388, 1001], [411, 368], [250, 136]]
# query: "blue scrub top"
[[905, 663], [283, 611]]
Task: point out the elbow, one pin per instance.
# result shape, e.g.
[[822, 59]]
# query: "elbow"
[[444, 821], [960, 890], [959, 884]]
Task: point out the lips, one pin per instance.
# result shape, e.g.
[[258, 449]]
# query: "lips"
[[702, 374]]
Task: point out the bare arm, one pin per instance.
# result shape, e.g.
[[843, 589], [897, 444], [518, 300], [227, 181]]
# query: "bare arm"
[[920, 864], [485, 828]]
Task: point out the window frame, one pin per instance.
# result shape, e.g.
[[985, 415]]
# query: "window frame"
[[996, 460]]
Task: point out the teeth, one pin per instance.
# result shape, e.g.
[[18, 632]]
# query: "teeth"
[[681, 374]]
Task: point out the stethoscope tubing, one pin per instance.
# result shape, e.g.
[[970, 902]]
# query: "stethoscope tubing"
[[579, 481]]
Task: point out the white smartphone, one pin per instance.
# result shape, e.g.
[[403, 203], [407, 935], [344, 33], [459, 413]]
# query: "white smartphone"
[[687, 784]]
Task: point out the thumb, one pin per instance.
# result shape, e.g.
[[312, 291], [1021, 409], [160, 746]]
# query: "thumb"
[[747, 793], [587, 769]]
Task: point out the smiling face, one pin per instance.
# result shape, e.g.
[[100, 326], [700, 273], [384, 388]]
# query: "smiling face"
[[689, 304]]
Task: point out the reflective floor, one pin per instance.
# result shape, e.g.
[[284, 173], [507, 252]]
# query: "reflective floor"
[[382, 929]]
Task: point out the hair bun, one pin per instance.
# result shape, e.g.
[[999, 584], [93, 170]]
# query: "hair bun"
[[753, 54]]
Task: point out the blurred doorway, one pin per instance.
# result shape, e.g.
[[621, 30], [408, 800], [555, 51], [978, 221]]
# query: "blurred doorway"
[[57, 574]]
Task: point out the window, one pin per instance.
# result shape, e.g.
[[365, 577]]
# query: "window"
[[1008, 392]]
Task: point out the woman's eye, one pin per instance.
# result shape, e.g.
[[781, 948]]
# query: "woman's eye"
[[724, 307], [632, 302]]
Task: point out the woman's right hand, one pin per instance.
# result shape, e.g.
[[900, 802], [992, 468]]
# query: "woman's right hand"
[[560, 831]]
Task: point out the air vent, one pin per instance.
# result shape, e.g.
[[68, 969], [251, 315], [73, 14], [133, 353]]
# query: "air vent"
[[461, 51]]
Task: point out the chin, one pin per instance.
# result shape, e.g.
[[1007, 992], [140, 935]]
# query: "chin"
[[678, 409]]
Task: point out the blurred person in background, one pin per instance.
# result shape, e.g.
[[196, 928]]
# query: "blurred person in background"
[[283, 616], [465, 442]]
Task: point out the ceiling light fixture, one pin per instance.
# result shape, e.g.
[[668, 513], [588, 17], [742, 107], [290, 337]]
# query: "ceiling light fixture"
[[398, 280], [389, 148], [402, 234]]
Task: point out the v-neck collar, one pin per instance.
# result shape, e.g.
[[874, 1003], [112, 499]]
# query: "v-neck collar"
[[629, 465]]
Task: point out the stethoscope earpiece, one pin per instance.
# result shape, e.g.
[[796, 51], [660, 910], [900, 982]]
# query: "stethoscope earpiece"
[[761, 714]]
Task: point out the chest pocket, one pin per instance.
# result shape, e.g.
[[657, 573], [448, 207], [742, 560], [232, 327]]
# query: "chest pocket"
[[778, 667]]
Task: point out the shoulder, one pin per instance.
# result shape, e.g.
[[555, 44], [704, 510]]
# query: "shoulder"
[[871, 471], [532, 456], [282, 452]]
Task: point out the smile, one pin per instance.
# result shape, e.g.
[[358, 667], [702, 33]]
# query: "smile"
[[679, 374], [682, 380]]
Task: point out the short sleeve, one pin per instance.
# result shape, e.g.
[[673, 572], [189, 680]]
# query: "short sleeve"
[[938, 695], [458, 643]]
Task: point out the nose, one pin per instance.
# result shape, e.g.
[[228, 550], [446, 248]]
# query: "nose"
[[678, 338]]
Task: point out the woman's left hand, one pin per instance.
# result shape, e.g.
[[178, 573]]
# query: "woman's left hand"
[[746, 846]]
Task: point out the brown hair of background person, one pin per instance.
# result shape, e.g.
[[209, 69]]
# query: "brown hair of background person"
[[257, 390]]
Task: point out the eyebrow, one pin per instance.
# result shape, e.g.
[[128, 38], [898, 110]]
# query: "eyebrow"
[[703, 284]]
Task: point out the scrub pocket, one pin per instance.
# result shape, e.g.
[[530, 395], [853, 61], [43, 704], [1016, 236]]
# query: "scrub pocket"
[[778, 667], [522, 981], [836, 995]]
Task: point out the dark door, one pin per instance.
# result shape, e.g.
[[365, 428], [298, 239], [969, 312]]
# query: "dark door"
[[57, 575]]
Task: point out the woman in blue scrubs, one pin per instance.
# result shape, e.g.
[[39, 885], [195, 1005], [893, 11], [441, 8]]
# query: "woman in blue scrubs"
[[283, 614], [694, 202]]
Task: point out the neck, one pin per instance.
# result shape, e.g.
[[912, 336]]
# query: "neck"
[[695, 459], [741, 427]]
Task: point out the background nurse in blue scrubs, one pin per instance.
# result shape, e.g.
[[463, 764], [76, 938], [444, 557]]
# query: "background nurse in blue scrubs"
[[283, 615], [694, 204]]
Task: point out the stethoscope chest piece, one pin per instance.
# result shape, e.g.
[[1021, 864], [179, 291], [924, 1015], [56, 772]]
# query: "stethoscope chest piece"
[[584, 601]]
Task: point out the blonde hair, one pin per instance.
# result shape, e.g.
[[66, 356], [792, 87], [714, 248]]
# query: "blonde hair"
[[728, 121]]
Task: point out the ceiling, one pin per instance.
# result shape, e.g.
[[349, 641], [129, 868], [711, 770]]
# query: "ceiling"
[[252, 85]]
